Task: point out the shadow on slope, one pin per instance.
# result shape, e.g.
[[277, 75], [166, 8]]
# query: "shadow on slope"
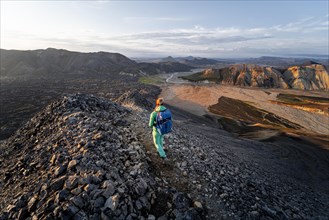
[[247, 121], [318, 105]]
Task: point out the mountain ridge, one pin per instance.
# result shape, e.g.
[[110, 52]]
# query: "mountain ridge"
[[80, 158], [311, 76], [52, 63], [274, 61]]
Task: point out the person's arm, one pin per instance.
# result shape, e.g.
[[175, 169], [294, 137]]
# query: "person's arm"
[[151, 123]]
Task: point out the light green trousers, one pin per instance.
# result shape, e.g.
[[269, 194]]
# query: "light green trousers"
[[158, 142]]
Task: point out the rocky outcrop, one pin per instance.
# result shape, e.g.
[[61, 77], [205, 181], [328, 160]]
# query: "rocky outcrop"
[[135, 98], [257, 76], [309, 77], [242, 75], [80, 158]]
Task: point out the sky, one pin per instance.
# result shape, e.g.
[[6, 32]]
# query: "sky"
[[218, 29]]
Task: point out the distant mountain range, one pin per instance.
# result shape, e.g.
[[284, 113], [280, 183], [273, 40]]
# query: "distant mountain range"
[[62, 64], [283, 62], [309, 76], [189, 60], [263, 60], [55, 63], [196, 61]]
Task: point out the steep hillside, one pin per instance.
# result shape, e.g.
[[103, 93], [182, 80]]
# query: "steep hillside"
[[54, 64], [309, 77], [242, 75], [249, 114]]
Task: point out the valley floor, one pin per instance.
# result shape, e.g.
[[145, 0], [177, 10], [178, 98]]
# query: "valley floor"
[[196, 98]]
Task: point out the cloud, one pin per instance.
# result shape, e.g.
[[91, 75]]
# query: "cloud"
[[153, 19], [196, 35], [89, 4], [306, 35], [304, 25]]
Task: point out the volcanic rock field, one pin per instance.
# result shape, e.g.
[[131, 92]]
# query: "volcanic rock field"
[[84, 157]]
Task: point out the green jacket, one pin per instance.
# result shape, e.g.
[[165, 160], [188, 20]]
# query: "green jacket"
[[154, 115]]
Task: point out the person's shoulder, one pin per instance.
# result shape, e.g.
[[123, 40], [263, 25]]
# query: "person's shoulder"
[[162, 108]]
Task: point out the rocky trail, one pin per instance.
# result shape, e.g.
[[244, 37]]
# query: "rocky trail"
[[85, 157], [244, 179], [80, 158], [165, 170]]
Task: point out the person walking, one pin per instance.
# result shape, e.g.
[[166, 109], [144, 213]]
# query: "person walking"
[[156, 121]]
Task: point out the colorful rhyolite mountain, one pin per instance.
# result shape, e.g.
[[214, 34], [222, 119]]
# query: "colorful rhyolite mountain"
[[311, 76]]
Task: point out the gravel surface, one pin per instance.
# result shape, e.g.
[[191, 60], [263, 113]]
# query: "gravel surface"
[[80, 158], [244, 179], [85, 157]]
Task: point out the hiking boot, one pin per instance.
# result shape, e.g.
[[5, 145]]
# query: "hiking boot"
[[165, 160]]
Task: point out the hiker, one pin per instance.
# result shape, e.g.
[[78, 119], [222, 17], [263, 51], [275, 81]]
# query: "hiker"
[[161, 122]]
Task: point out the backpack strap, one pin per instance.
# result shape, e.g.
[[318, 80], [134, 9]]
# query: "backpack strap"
[[155, 120], [158, 115]]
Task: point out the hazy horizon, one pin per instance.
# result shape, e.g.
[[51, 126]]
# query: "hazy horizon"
[[214, 29]]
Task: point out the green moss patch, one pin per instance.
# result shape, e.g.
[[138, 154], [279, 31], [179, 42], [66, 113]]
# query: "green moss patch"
[[150, 80]]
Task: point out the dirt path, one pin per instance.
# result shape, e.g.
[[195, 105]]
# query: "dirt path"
[[165, 170]]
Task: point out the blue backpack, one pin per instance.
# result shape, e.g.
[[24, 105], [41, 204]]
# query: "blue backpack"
[[164, 122]]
